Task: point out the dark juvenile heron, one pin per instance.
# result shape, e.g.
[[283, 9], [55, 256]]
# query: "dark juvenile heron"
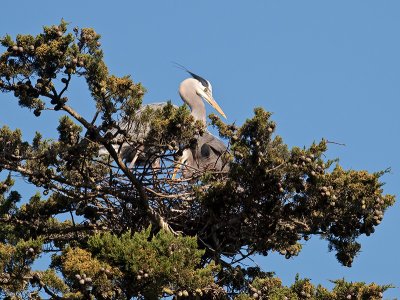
[[208, 150]]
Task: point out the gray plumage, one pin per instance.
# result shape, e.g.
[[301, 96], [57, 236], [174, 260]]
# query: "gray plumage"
[[207, 153], [133, 151]]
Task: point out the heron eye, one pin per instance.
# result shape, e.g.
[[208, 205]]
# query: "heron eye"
[[206, 89]]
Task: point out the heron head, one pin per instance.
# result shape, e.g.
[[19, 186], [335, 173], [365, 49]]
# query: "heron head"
[[203, 88]]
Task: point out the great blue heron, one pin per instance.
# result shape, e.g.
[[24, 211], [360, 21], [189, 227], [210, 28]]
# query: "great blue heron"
[[208, 150], [207, 153]]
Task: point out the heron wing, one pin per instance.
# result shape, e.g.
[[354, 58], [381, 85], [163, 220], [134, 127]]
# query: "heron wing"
[[213, 142], [137, 129]]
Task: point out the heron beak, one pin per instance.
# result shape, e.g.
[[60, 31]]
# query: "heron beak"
[[209, 98]]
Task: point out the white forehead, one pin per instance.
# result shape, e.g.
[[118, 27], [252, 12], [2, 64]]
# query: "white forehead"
[[209, 86]]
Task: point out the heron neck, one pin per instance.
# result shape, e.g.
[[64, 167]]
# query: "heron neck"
[[199, 112], [191, 98]]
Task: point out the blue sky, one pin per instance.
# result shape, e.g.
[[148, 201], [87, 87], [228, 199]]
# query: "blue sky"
[[326, 69]]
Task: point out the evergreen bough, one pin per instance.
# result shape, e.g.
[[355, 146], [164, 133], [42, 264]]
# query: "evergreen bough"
[[136, 233]]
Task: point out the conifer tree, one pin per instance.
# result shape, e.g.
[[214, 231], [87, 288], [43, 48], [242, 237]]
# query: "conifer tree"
[[137, 233]]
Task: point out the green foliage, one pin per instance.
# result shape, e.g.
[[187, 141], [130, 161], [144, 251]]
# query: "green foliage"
[[271, 288], [69, 131], [358, 290], [94, 213], [50, 279], [11, 146], [292, 185], [15, 263], [83, 272], [156, 264], [8, 204]]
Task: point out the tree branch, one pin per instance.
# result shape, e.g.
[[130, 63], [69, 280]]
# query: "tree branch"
[[155, 218]]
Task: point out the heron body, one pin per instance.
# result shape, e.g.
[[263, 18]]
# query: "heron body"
[[207, 154], [134, 151], [208, 150]]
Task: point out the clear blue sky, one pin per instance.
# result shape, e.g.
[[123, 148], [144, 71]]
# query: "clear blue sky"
[[327, 69]]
